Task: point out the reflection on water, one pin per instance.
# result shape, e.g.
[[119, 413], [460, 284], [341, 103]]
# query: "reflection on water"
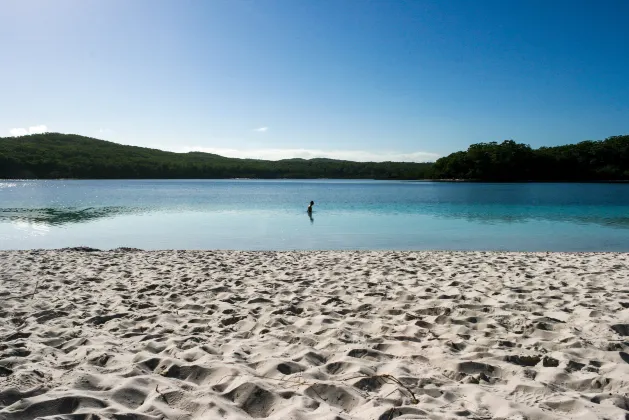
[[61, 216], [619, 222]]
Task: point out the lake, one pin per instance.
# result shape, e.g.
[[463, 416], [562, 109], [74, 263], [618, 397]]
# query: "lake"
[[270, 215]]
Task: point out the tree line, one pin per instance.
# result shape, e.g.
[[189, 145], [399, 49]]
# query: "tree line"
[[603, 160], [55, 155]]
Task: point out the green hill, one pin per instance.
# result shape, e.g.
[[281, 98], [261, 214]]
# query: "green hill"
[[55, 155], [602, 160]]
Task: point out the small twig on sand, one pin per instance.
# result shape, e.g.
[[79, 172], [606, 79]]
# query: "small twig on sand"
[[161, 395], [391, 378], [32, 294], [385, 377]]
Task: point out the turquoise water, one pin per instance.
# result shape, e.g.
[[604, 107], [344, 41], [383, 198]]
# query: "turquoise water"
[[270, 215]]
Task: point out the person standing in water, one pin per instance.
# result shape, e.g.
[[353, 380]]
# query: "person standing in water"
[[309, 211]]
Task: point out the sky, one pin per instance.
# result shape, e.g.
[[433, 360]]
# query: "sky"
[[406, 80]]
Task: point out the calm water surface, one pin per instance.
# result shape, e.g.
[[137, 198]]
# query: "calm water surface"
[[270, 215]]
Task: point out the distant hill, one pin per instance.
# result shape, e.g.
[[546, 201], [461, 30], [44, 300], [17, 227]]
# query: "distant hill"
[[55, 155], [602, 160]]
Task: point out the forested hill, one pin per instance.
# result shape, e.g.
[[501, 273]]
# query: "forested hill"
[[604, 160], [54, 155]]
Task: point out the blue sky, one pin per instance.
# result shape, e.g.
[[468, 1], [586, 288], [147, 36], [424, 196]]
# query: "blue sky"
[[354, 79]]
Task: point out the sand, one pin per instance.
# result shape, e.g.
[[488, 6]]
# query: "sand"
[[313, 335]]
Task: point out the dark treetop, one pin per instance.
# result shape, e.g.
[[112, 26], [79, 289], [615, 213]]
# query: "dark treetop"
[[510, 161]]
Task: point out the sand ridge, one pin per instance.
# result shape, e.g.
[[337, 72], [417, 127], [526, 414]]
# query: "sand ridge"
[[313, 335]]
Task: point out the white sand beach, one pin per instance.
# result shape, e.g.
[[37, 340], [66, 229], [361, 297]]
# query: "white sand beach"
[[313, 335]]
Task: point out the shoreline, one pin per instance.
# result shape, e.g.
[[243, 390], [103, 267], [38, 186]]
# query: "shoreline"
[[124, 250], [444, 180], [351, 335], [257, 252]]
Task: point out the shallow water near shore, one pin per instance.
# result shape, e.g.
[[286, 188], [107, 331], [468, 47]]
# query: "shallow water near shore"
[[270, 215]]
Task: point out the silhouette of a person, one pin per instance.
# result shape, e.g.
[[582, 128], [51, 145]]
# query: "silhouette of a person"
[[309, 211]]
